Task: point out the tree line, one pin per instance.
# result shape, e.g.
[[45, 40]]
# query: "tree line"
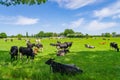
[[66, 33]]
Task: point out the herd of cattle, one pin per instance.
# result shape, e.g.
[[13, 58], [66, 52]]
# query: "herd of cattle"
[[25, 51], [62, 49]]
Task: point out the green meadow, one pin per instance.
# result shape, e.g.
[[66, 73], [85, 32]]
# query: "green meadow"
[[101, 63]]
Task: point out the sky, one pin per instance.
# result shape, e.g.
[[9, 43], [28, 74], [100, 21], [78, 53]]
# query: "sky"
[[86, 16]]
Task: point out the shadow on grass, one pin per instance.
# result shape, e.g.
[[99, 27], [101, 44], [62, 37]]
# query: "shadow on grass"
[[4, 56], [96, 65]]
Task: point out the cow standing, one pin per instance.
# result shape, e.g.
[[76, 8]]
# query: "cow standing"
[[115, 46], [14, 53], [60, 45], [27, 52]]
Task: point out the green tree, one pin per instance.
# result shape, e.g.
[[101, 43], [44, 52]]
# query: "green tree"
[[18, 2], [3, 35], [68, 31], [87, 35], [27, 34], [48, 34], [103, 34], [19, 36], [113, 34], [107, 35], [55, 35], [41, 34]]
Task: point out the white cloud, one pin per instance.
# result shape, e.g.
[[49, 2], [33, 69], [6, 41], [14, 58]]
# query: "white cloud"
[[73, 4], [94, 25], [77, 23], [18, 20], [97, 25], [109, 11], [25, 21]]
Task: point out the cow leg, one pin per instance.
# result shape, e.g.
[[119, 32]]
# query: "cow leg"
[[117, 49], [21, 55], [12, 58], [27, 59], [16, 57]]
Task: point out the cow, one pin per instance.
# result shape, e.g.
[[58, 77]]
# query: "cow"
[[39, 46], [58, 42], [62, 52], [102, 43], [30, 45], [27, 52], [69, 44], [89, 46], [67, 69], [11, 40], [37, 40], [114, 45], [14, 53], [5, 39], [60, 45]]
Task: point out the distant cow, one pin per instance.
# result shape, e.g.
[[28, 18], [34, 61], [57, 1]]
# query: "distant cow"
[[5, 39], [115, 46], [102, 43], [69, 44], [58, 42], [27, 52], [30, 45], [11, 40], [89, 46], [14, 53], [60, 45], [39, 46], [62, 52], [37, 40], [63, 68]]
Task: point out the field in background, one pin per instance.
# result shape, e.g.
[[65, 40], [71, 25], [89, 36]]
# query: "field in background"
[[101, 63]]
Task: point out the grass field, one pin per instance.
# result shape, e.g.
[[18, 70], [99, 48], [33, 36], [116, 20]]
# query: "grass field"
[[101, 63]]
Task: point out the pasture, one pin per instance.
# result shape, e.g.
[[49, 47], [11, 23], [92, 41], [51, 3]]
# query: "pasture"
[[100, 63]]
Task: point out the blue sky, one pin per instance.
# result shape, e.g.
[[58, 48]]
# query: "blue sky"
[[86, 16]]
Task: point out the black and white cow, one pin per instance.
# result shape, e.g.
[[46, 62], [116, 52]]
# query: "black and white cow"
[[114, 45], [60, 45], [27, 52], [14, 53], [89, 46], [63, 68]]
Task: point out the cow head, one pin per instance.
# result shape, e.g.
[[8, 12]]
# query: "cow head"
[[49, 61]]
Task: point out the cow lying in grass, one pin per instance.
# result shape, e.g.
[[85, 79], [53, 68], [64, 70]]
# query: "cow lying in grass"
[[62, 52], [89, 46], [115, 46], [63, 68], [102, 43], [27, 52], [14, 53]]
